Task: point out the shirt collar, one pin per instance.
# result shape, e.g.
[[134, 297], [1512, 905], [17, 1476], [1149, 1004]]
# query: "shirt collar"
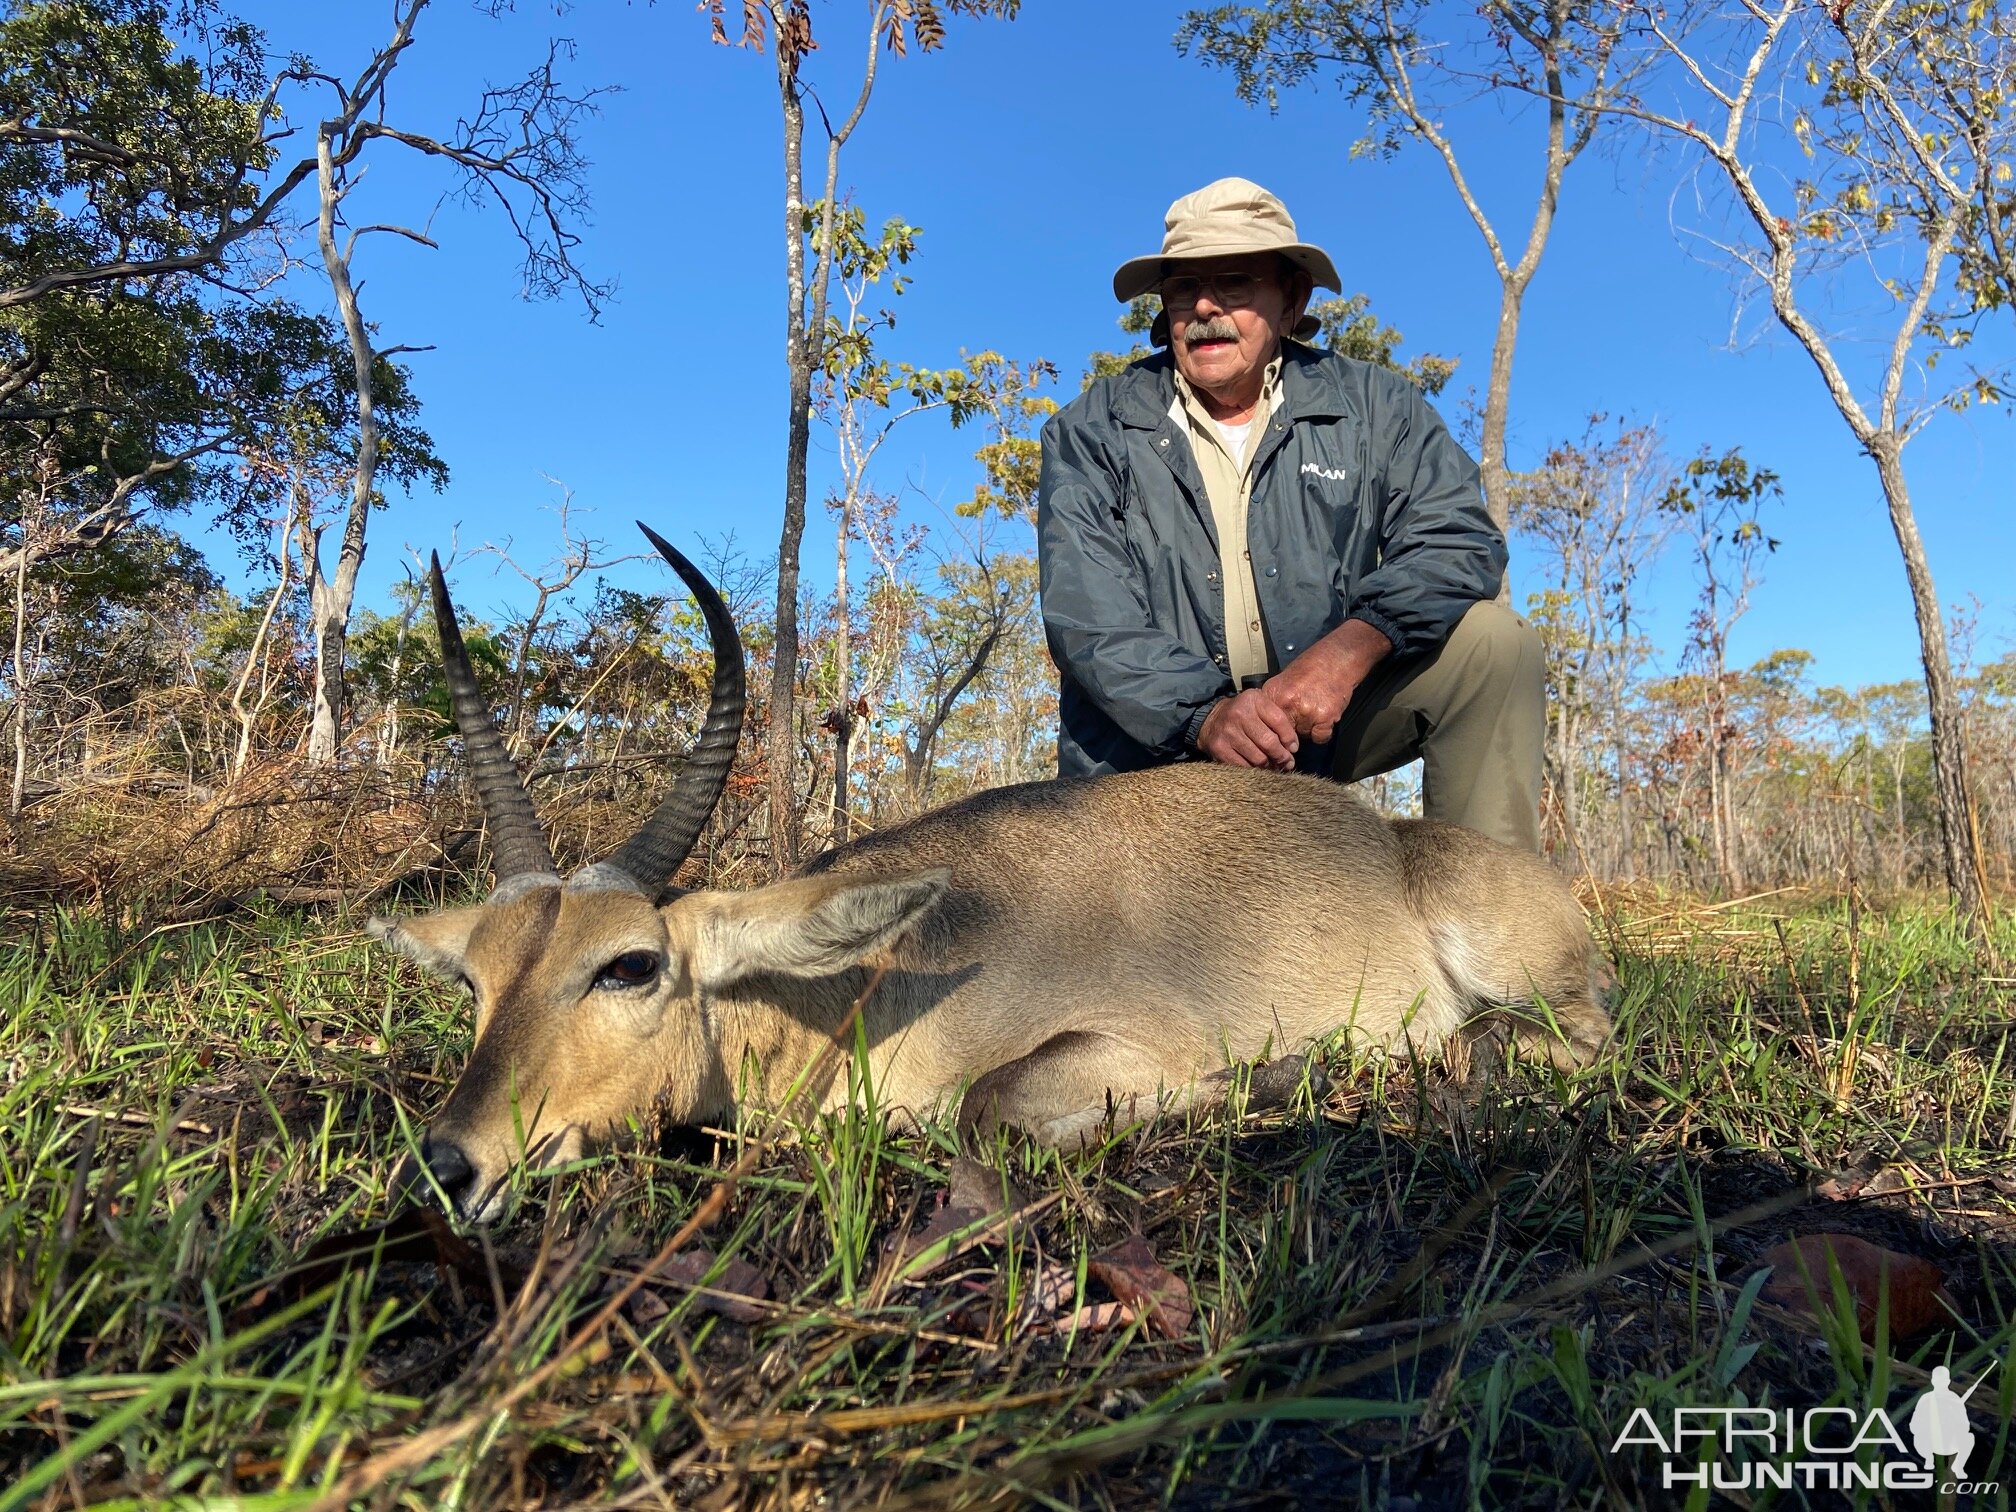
[[1270, 391]]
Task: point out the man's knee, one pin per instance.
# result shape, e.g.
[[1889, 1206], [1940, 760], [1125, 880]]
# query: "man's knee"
[[1498, 641]]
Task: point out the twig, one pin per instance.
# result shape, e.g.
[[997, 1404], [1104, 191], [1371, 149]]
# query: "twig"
[[73, 1210], [139, 1120]]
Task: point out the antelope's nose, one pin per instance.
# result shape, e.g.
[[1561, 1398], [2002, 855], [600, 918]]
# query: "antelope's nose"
[[449, 1168]]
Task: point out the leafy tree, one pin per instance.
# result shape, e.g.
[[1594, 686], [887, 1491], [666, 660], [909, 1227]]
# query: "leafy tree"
[[141, 359], [864, 396], [126, 401], [1718, 502], [1350, 327], [1404, 65], [1591, 517], [123, 158], [1906, 147], [130, 373], [786, 25]]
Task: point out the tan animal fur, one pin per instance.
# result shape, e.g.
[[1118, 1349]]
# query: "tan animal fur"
[[1055, 949]]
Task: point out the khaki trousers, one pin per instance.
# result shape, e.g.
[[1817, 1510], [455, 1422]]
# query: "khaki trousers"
[[1475, 714]]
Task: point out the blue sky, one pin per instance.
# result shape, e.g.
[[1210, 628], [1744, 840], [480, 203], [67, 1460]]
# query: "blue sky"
[[1036, 155]]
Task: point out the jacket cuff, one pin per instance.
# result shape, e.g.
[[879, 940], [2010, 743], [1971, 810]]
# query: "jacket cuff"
[[1194, 725], [1402, 641]]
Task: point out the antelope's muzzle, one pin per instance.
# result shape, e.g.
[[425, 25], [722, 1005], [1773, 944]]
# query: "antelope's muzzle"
[[443, 1167]]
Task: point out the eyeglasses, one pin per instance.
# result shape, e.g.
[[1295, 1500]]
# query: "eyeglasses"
[[1233, 291]]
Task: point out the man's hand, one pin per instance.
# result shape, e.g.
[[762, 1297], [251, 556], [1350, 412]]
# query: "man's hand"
[[1313, 691], [1249, 730]]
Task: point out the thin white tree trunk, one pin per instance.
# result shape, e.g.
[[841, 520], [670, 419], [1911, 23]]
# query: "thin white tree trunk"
[[843, 659], [18, 790], [1942, 697], [804, 338], [1882, 435], [330, 598], [255, 657]]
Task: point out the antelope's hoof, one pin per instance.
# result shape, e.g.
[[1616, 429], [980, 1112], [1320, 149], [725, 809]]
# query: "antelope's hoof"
[[1273, 1086]]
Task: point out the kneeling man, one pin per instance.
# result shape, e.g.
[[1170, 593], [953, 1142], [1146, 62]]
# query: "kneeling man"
[[1260, 553]]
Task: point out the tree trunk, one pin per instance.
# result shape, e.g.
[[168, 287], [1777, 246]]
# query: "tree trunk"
[[18, 788], [1728, 837], [388, 740], [1497, 478], [804, 339], [843, 659], [1901, 860], [517, 724], [330, 599], [1627, 855], [254, 657], [328, 618], [1942, 698], [798, 358]]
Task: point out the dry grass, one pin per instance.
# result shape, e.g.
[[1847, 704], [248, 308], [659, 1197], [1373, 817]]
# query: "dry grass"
[[142, 847]]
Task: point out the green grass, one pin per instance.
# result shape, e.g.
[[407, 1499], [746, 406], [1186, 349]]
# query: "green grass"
[[1440, 1288]]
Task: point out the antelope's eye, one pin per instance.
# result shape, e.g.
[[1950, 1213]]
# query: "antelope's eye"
[[632, 969]]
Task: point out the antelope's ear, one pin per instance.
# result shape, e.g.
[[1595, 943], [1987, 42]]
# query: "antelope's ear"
[[436, 942], [811, 927]]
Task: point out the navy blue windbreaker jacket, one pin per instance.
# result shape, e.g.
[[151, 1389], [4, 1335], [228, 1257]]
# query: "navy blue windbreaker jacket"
[[1363, 507]]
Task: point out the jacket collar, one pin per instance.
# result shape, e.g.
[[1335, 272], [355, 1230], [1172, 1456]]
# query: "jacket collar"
[[1310, 387]]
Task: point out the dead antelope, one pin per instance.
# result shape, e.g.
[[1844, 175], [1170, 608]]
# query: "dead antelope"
[[1055, 949]]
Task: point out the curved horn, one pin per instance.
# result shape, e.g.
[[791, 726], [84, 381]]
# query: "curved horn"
[[517, 845], [653, 854]]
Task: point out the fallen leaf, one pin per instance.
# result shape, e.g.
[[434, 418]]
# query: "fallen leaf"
[[1800, 1282], [1095, 1317], [1879, 1183], [977, 1205], [734, 1293], [1890, 1179], [1131, 1272], [1049, 1293], [645, 1307]]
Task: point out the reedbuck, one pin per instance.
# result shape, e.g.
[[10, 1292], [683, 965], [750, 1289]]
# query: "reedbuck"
[[1054, 951]]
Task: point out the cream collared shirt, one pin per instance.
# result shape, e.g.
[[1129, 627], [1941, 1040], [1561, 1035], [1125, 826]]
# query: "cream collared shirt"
[[1227, 469]]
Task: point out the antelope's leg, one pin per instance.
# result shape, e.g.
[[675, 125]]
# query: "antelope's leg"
[[1063, 1089], [1059, 1091], [1268, 1086], [1580, 1012]]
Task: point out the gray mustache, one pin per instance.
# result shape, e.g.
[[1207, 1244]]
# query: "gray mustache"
[[1220, 328]]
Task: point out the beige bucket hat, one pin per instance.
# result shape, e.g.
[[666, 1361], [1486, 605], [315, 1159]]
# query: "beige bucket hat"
[[1225, 219]]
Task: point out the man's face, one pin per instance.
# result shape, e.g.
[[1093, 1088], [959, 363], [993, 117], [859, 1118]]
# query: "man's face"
[[1227, 316]]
